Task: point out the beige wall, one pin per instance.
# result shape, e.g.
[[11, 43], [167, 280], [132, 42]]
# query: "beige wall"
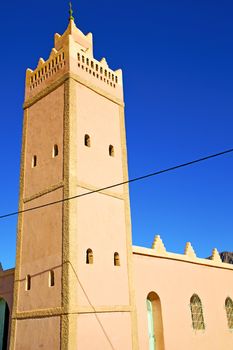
[[175, 281], [38, 334], [39, 246], [44, 129], [41, 252], [41, 243]]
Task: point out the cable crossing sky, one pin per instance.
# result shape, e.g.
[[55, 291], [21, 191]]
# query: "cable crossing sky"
[[143, 177]]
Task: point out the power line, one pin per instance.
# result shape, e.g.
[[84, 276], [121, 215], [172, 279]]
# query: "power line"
[[121, 183]]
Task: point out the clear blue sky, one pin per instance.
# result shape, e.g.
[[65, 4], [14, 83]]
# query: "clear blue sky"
[[177, 59]]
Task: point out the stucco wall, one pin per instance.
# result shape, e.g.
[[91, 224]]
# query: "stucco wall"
[[175, 281], [38, 334], [44, 129], [99, 230], [98, 117], [41, 252], [107, 330]]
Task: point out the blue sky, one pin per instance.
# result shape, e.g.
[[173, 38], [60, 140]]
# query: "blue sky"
[[177, 59]]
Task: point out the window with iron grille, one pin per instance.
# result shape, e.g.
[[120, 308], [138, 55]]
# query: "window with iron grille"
[[197, 312], [229, 312]]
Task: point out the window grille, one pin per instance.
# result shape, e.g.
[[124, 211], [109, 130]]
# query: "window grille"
[[197, 312], [229, 312]]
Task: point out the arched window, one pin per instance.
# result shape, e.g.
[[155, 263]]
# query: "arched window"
[[28, 282], [34, 161], [55, 151], [155, 323], [51, 278], [111, 151], [197, 312], [116, 259], [89, 256], [87, 140], [4, 324], [229, 312]]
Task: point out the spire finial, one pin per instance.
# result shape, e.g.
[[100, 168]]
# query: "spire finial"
[[71, 13]]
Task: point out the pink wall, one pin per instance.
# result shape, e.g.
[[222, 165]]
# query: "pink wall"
[[175, 281], [98, 117], [104, 331]]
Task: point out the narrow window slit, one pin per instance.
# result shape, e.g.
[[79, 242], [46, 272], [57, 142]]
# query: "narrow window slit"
[[34, 161], [116, 259], [55, 151], [51, 278], [111, 151], [28, 283], [87, 140], [89, 256]]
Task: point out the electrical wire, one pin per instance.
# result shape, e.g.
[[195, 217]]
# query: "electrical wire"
[[120, 183]]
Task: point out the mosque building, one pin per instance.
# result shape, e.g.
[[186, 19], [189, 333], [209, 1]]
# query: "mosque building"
[[79, 283]]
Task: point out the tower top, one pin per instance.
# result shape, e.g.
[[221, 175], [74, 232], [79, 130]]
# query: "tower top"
[[71, 17], [73, 54]]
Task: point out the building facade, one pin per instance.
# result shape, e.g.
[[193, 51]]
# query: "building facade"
[[78, 281]]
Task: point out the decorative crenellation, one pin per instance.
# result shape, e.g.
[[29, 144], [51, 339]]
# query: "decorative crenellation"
[[189, 251], [98, 69], [158, 245], [73, 53], [215, 256], [57, 61], [46, 69], [159, 250]]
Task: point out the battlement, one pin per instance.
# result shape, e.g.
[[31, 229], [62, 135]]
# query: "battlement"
[[73, 53], [158, 250], [99, 69], [45, 70]]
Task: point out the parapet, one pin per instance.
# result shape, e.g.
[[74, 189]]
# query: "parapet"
[[73, 54], [158, 250]]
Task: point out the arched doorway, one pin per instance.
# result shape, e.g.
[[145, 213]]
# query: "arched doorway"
[[4, 324], [155, 324]]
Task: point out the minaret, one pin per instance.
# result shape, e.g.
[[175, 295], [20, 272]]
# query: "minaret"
[[73, 280]]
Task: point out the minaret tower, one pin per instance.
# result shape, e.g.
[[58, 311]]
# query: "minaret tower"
[[73, 280]]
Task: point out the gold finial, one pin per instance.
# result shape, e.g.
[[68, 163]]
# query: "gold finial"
[[71, 13]]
